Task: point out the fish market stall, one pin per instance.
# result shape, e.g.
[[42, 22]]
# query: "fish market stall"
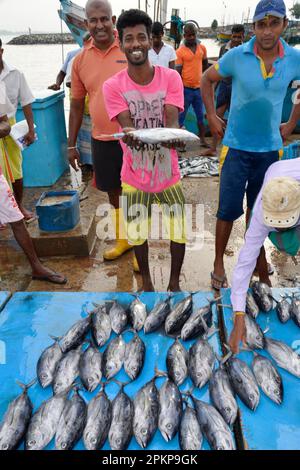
[[32, 322], [273, 426]]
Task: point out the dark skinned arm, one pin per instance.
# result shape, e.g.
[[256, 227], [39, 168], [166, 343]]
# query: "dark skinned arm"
[[59, 80], [30, 136], [75, 121], [209, 79], [172, 64], [4, 127], [205, 64]]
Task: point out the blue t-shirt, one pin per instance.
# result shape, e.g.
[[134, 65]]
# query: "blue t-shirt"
[[257, 100], [68, 59]]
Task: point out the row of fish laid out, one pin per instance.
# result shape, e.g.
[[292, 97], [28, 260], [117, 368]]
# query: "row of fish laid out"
[[262, 300]]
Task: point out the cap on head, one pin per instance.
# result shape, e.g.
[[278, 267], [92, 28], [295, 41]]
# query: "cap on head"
[[281, 202], [269, 7]]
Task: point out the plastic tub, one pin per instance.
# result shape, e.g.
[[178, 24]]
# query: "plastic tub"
[[58, 211]]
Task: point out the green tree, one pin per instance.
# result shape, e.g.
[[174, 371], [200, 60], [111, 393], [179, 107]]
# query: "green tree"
[[214, 25], [295, 11]]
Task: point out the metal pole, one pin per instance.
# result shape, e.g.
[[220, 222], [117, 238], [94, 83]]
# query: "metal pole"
[[154, 9], [157, 10], [139, 5]]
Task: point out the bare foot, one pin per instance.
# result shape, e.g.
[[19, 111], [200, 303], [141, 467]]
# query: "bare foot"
[[28, 215], [45, 274], [174, 287], [205, 144], [209, 153]]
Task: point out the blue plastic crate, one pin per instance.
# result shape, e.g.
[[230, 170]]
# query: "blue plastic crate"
[[59, 217]]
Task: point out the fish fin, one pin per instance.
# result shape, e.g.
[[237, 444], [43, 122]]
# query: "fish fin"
[[26, 386], [211, 332], [56, 338], [158, 373]]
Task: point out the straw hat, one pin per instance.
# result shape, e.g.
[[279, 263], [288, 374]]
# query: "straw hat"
[[281, 202]]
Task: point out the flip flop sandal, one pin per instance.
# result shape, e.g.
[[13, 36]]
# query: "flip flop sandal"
[[220, 280], [54, 278]]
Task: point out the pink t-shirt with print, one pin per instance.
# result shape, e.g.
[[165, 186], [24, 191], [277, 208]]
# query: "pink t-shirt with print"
[[147, 171]]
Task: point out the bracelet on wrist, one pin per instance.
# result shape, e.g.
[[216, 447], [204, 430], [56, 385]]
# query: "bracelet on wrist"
[[239, 314], [72, 148]]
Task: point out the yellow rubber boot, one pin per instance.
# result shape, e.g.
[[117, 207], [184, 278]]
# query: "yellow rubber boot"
[[135, 265], [122, 244]]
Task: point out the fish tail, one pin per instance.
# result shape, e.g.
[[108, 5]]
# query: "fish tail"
[[25, 387], [55, 338], [158, 373]]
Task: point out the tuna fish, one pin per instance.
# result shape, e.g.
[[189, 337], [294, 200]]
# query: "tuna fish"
[[157, 316], [71, 423], [201, 363], [101, 327], [268, 378], [98, 421], [118, 318], [44, 422], [255, 338], [134, 357], [16, 420], [284, 356], [90, 368], [67, 371], [252, 308], [262, 294], [222, 395], [137, 314], [146, 412], [283, 310], [170, 413], [190, 435], [179, 315], [47, 363], [295, 310], [198, 323], [243, 382], [162, 135], [213, 426], [75, 335], [121, 429], [113, 357], [177, 363]]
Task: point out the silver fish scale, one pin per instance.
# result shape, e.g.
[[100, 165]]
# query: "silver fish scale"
[[71, 423], [196, 324], [118, 318], [101, 326], [113, 357], [170, 402], [44, 423], [179, 315], [47, 364], [67, 371], [161, 134], [98, 422], [15, 422], [284, 356], [90, 368], [146, 412], [201, 363], [262, 296], [268, 378], [190, 435], [214, 427], [295, 311], [252, 308], [134, 357], [120, 432], [138, 314], [75, 335], [254, 336], [157, 316], [222, 396], [244, 383], [177, 362]]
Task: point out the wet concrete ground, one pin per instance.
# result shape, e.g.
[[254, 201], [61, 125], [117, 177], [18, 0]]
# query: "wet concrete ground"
[[91, 273]]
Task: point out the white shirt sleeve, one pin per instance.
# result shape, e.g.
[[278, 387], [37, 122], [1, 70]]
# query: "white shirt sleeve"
[[25, 95], [5, 106], [173, 55]]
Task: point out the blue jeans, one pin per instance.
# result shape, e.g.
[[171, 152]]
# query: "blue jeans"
[[192, 97]]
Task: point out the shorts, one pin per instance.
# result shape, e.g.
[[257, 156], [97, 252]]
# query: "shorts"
[[10, 158], [137, 208], [241, 173], [9, 210], [224, 95], [192, 97], [84, 141], [107, 164]]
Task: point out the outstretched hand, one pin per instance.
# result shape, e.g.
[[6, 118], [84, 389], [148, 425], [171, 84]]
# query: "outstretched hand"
[[238, 334]]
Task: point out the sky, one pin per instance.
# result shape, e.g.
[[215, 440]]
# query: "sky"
[[41, 15]]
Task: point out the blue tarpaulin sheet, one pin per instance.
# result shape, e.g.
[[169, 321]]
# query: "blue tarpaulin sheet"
[[271, 426], [29, 319]]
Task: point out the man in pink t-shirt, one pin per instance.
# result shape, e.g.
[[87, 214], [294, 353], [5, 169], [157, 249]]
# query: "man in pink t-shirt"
[[143, 97]]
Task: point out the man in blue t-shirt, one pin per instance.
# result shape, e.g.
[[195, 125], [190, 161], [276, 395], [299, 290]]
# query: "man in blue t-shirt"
[[261, 71]]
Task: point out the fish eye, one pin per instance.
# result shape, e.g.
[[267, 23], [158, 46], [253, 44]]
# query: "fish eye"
[[144, 431], [90, 380], [199, 374], [220, 448], [119, 441], [31, 443], [44, 376], [169, 426], [277, 392], [5, 447], [251, 396], [63, 445], [93, 440]]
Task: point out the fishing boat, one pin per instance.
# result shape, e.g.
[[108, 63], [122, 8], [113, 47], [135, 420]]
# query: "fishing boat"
[[224, 37], [74, 17]]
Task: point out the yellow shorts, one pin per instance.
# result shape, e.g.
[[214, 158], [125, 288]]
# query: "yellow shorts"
[[10, 158], [137, 208]]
